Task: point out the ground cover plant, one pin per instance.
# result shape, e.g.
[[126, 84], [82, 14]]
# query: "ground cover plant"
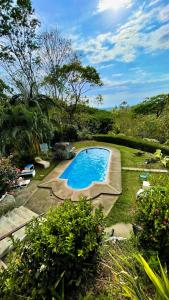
[[125, 274]]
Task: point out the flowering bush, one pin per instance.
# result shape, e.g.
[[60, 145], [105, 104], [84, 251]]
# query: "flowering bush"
[[153, 216], [8, 174]]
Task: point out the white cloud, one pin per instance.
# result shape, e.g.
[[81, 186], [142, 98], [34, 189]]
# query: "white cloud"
[[139, 76], [104, 5], [152, 3], [117, 75], [164, 14], [126, 43], [105, 66]]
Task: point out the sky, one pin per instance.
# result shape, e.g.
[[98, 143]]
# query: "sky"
[[127, 41]]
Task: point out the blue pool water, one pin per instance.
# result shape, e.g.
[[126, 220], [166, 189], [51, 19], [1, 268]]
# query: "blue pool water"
[[89, 165]]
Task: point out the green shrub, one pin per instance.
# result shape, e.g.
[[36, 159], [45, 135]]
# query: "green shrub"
[[160, 180], [152, 215], [58, 256], [8, 174], [70, 133], [132, 142], [84, 135], [57, 137], [100, 122]]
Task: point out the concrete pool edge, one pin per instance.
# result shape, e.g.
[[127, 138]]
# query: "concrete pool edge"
[[111, 187]]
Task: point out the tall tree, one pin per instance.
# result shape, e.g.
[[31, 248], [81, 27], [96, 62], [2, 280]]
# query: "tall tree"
[[4, 89], [152, 105], [18, 44], [73, 82], [55, 51]]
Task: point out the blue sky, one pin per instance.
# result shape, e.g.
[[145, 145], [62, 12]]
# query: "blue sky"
[[126, 40]]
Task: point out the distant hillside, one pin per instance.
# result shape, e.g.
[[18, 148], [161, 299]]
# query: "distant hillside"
[[106, 108]]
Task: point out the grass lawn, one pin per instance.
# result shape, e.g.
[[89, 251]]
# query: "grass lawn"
[[124, 208], [41, 172], [127, 154]]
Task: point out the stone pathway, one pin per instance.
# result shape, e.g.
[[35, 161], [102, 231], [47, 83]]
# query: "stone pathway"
[[106, 202], [145, 170]]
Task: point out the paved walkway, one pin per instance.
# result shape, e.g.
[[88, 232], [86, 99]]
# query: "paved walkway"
[[145, 170]]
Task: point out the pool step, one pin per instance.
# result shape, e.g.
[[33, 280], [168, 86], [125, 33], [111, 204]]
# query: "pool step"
[[11, 221]]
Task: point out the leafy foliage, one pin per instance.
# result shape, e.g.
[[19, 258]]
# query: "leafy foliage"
[[161, 284], [164, 159], [153, 105], [125, 274], [160, 180], [8, 174], [148, 119], [132, 142], [58, 256], [99, 122], [18, 26], [153, 216], [73, 81], [23, 128]]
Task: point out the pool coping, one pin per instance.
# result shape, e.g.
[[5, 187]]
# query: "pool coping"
[[111, 186]]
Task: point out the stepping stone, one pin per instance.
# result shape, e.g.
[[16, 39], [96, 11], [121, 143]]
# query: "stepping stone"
[[5, 246], [5, 225], [120, 229], [20, 234]]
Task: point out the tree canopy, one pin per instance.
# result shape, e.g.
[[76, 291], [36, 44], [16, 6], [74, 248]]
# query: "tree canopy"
[[152, 105]]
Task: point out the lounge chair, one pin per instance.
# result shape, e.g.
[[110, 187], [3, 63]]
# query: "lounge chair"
[[22, 182], [44, 148], [28, 170], [44, 163]]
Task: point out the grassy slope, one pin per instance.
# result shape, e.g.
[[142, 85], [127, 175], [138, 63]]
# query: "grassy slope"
[[123, 210]]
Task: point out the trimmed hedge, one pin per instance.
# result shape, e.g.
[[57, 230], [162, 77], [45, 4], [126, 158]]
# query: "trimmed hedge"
[[136, 143]]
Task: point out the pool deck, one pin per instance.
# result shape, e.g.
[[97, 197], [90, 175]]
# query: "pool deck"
[[50, 192]]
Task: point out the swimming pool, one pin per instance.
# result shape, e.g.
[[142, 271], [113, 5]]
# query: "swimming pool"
[[90, 165]]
